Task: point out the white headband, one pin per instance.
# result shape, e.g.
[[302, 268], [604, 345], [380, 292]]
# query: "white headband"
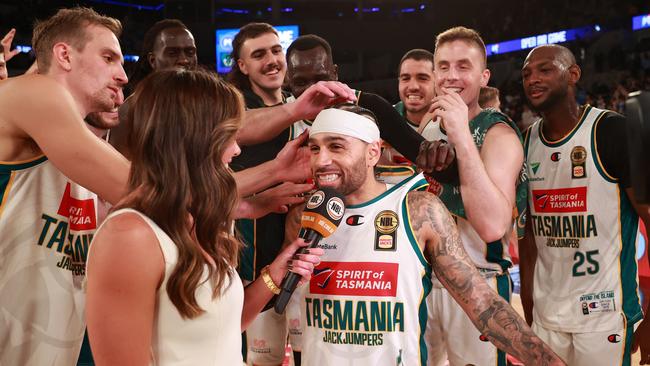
[[345, 123]]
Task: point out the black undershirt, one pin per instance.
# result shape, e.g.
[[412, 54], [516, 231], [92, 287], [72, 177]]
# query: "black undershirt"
[[611, 144]]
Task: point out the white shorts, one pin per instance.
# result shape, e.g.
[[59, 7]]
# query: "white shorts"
[[451, 335], [266, 336], [611, 347]]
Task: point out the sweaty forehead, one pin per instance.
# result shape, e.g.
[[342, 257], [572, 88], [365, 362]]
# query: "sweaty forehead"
[[550, 53], [313, 57], [175, 37]]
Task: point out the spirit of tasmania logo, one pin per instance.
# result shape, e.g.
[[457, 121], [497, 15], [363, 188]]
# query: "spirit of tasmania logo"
[[355, 278], [80, 212], [560, 200]]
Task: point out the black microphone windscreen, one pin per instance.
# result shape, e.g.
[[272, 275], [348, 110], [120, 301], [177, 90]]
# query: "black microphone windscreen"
[[323, 211]]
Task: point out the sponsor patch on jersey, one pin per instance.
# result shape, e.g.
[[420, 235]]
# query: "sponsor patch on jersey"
[[614, 338], [315, 200], [355, 279], [354, 220], [598, 302], [386, 224], [80, 212], [534, 167], [556, 156], [578, 162], [560, 200]]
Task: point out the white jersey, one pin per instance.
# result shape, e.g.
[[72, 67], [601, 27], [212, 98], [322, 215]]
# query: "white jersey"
[[585, 230], [46, 225], [365, 303], [214, 337]]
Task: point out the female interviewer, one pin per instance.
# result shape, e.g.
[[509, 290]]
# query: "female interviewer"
[[162, 287]]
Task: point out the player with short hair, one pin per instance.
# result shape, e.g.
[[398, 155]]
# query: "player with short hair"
[[579, 273], [47, 219], [365, 304]]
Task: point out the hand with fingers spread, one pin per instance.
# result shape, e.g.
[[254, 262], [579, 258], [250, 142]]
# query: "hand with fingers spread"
[[641, 341], [319, 96], [453, 111], [277, 199], [6, 45], [293, 160], [301, 264]]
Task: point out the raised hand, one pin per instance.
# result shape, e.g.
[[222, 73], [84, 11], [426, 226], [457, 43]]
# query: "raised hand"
[[319, 96]]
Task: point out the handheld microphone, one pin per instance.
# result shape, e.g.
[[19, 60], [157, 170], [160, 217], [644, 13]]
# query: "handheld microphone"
[[322, 216]]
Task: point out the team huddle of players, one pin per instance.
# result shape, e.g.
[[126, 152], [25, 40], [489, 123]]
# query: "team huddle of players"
[[417, 272]]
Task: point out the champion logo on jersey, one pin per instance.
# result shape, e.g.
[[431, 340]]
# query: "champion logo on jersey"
[[375, 279], [556, 156], [560, 200], [80, 212], [614, 338], [483, 338], [354, 220]]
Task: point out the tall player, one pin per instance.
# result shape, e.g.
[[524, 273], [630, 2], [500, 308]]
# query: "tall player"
[[46, 219], [366, 300], [489, 189], [578, 259]]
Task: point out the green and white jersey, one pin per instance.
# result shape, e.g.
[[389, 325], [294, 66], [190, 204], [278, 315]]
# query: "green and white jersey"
[[366, 300], [493, 256], [46, 225], [585, 230]]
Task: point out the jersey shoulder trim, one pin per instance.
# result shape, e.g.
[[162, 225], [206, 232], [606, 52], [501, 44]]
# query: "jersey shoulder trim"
[[569, 135], [418, 183], [8, 166]]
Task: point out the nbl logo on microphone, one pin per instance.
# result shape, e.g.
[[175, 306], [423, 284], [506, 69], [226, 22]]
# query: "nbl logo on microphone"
[[335, 208], [315, 200]]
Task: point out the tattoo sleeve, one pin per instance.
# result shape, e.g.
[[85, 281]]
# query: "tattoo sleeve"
[[491, 314]]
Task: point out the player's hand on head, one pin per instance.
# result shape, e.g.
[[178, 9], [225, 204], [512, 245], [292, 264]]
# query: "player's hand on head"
[[289, 260], [6, 44], [321, 95], [293, 160], [642, 340]]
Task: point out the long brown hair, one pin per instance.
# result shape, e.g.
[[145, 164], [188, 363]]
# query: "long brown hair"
[[182, 122]]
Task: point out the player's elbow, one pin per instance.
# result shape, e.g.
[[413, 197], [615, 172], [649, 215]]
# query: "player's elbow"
[[492, 230]]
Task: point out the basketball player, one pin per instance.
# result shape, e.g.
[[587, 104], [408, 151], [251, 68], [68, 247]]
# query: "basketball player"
[[416, 92], [47, 219], [578, 259], [309, 62], [365, 302], [489, 98], [490, 189]]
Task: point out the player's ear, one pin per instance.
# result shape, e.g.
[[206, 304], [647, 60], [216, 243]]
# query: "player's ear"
[[61, 55], [373, 152], [242, 66]]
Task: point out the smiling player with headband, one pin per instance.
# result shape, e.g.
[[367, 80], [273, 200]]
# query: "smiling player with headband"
[[378, 264]]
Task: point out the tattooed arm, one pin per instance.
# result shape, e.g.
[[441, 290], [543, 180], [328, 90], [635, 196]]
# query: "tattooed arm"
[[494, 318]]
